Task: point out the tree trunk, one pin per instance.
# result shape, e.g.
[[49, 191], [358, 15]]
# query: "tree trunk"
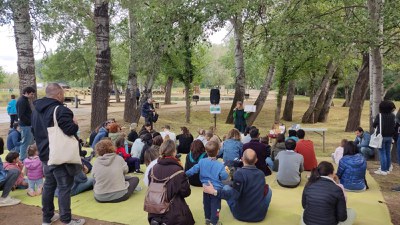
[[323, 115], [168, 90], [131, 112], [289, 104], [262, 97], [240, 82], [281, 91], [375, 11], [358, 96], [320, 104], [24, 43], [116, 91], [148, 87], [188, 94], [309, 114], [347, 97], [100, 90]]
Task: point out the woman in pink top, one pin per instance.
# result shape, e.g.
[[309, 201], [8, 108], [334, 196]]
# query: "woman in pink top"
[[13, 162], [34, 169]]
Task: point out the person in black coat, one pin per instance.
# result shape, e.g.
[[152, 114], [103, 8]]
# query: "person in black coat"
[[178, 187], [185, 140], [148, 111], [323, 200]]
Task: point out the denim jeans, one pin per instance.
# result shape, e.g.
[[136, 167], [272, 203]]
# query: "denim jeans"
[[7, 184], [56, 177], [212, 207], [27, 139], [82, 187], [269, 162], [367, 152], [398, 149], [384, 153], [35, 184]]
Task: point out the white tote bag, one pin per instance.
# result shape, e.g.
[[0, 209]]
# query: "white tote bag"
[[63, 148], [376, 140]]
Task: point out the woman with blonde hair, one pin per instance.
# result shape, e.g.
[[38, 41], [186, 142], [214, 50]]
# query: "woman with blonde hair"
[[232, 147], [178, 188]]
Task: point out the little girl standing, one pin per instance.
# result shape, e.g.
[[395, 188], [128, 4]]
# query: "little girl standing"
[[33, 166]]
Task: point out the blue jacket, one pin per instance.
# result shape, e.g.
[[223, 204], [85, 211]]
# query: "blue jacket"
[[147, 109], [12, 107], [210, 170], [230, 150], [351, 171], [294, 138], [363, 141], [3, 172], [247, 194], [101, 134], [13, 139]]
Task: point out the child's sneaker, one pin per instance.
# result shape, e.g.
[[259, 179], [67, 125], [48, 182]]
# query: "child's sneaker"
[[53, 219], [31, 192], [8, 201]]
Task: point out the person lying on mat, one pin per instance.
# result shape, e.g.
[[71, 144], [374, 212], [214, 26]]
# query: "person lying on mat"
[[249, 196]]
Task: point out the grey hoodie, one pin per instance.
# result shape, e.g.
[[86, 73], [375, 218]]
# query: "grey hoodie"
[[108, 173]]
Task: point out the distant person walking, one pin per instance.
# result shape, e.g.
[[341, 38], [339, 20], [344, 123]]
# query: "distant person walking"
[[24, 112], [12, 110], [240, 116]]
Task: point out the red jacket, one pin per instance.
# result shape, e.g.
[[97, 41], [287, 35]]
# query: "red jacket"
[[121, 151], [306, 149]]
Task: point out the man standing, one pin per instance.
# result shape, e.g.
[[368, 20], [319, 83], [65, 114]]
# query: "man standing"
[[362, 142], [148, 111], [290, 166], [56, 176], [260, 150], [24, 112], [249, 197], [306, 149]]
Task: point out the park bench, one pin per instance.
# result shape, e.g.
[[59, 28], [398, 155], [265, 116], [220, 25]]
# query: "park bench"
[[71, 100]]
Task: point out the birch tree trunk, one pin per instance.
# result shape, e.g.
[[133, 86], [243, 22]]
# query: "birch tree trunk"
[[358, 95], [168, 90], [323, 114], [347, 96], [262, 97], [131, 112], [375, 11], [100, 90], [24, 44], [240, 82], [308, 116], [289, 104]]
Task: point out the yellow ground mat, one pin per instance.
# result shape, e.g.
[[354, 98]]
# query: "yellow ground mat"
[[285, 207]]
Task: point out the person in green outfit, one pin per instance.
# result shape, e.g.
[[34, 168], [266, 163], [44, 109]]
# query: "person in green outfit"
[[240, 116]]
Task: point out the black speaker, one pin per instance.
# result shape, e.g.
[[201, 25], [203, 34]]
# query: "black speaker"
[[214, 96]]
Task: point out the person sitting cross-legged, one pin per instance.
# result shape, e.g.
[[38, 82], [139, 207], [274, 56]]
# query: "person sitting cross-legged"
[[249, 196], [306, 149], [260, 149], [109, 169], [291, 164], [7, 181]]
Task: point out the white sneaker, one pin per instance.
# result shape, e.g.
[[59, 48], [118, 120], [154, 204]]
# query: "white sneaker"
[[53, 219], [379, 172], [8, 201], [391, 167], [77, 222]]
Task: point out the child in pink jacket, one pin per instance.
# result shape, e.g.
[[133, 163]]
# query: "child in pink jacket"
[[13, 162], [34, 169]]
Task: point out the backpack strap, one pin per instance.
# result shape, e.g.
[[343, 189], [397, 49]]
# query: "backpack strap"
[[165, 180]]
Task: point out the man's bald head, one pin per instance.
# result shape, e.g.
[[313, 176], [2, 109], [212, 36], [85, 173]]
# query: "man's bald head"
[[249, 157], [54, 90]]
